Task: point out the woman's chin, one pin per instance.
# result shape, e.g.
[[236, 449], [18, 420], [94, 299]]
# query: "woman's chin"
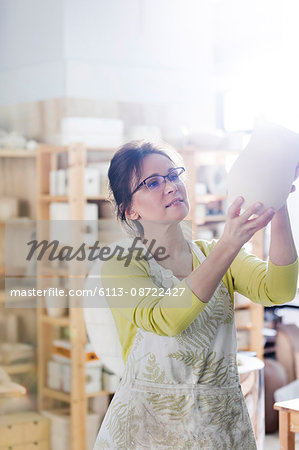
[[178, 215]]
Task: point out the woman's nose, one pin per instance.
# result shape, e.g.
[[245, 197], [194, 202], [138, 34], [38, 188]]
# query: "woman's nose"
[[170, 186]]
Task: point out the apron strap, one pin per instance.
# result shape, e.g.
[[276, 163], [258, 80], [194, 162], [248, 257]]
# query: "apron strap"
[[201, 257]]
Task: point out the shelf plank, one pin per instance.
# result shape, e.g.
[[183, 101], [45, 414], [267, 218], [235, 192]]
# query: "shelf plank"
[[97, 197], [58, 321], [48, 148], [13, 299], [65, 397], [99, 393], [44, 148], [13, 369], [57, 395], [211, 219], [47, 198], [244, 327], [237, 307], [207, 198], [17, 220], [17, 153]]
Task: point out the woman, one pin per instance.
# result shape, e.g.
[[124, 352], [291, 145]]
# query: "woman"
[[180, 388]]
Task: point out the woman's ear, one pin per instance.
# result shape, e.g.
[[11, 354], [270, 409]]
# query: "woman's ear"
[[131, 214]]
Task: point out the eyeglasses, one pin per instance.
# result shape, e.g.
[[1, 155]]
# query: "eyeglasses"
[[155, 182]]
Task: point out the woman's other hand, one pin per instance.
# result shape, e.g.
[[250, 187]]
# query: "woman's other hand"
[[293, 188], [240, 228]]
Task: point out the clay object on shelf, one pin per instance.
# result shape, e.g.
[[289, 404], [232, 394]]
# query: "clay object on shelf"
[[265, 170]]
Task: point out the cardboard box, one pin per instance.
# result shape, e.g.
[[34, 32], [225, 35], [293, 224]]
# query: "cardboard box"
[[60, 429], [9, 208], [23, 430]]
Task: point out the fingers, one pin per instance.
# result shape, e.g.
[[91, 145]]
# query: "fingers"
[[254, 224], [235, 208], [252, 209], [262, 220]]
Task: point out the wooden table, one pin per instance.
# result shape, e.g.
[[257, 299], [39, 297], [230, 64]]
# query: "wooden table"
[[288, 422]]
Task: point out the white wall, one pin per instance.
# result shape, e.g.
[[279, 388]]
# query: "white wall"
[[31, 51], [147, 51]]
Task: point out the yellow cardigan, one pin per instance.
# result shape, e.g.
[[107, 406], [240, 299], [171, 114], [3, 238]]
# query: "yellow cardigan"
[[262, 282]]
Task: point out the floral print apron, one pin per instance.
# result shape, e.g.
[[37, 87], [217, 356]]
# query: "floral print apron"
[[181, 392]]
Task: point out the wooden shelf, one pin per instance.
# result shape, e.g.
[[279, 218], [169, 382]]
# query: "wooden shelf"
[[48, 160], [47, 198], [99, 394], [18, 299], [65, 397], [18, 220], [238, 307], [57, 321], [245, 327], [14, 369], [97, 197], [57, 395], [211, 219], [17, 153], [207, 198], [45, 148], [51, 272]]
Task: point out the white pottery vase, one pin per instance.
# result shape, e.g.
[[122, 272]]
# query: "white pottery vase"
[[265, 170]]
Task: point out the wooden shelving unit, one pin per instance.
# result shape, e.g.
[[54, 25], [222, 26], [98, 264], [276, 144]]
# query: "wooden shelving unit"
[[195, 158], [17, 153], [17, 179], [13, 369], [77, 399]]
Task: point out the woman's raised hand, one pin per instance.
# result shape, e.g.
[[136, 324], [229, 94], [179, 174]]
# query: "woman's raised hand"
[[239, 228]]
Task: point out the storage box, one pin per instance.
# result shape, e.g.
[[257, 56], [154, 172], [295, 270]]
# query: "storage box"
[[103, 168], [243, 317], [36, 445], [93, 131], [59, 377], [60, 431], [27, 430], [243, 338], [58, 182], [59, 368], [60, 211], [110, 381], [92, 125], [9, 326], [9, 208], [92, 181]]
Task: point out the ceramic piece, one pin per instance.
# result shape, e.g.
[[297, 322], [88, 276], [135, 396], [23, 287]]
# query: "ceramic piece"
[[265, 170]]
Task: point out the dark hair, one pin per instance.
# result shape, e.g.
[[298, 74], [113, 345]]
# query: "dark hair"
[[125, 169]]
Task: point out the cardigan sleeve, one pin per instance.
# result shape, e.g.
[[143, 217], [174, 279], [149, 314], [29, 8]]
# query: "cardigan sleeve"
[[142, 303], [262, 281]]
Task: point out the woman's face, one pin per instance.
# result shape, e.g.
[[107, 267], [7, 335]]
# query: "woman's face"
[[158, 205]]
